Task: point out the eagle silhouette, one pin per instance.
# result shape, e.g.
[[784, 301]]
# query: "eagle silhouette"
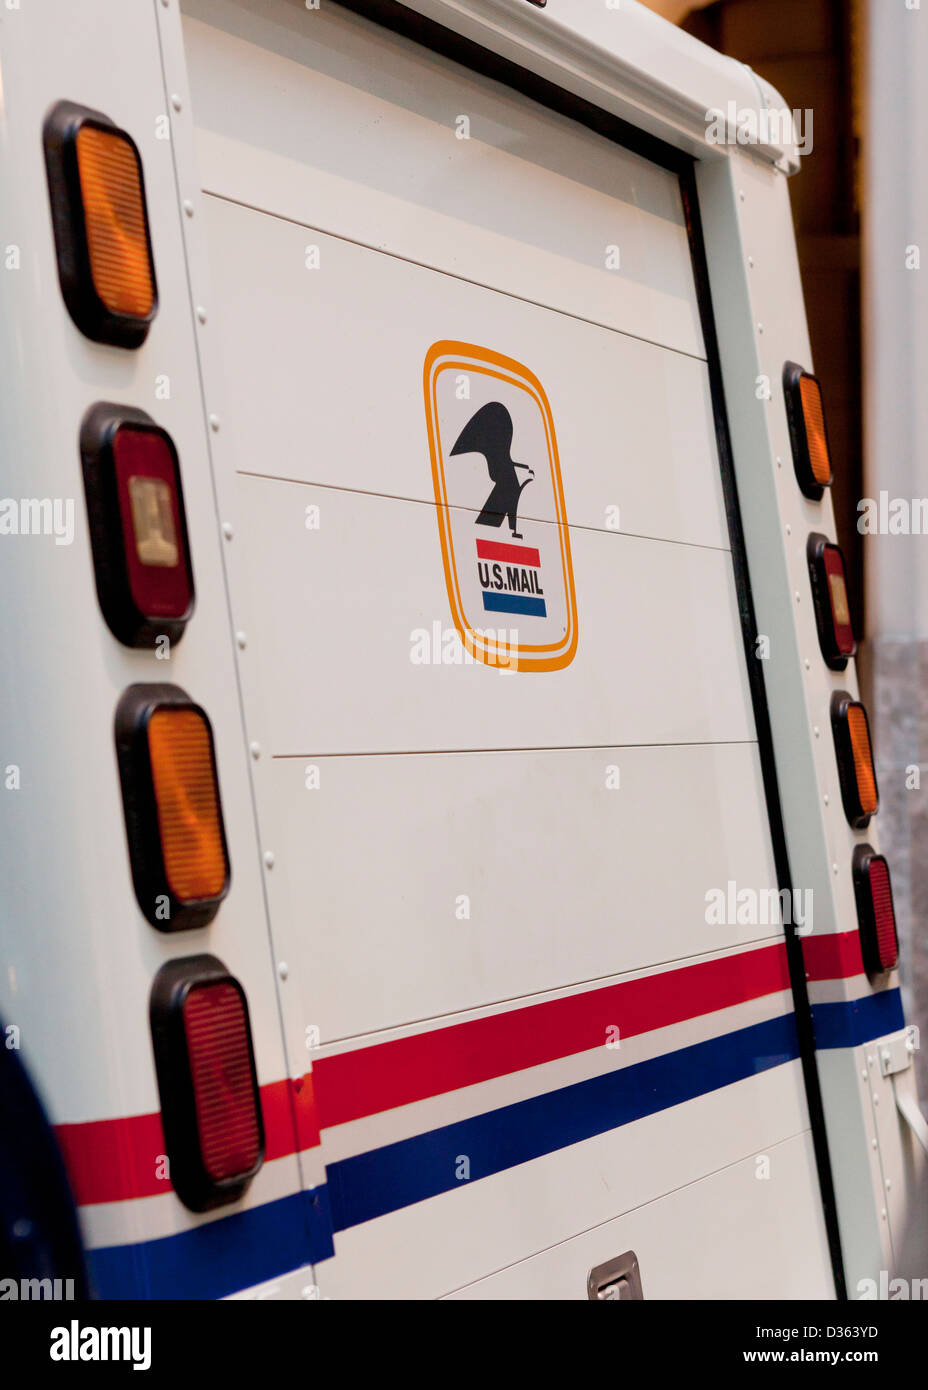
[[489, 432]]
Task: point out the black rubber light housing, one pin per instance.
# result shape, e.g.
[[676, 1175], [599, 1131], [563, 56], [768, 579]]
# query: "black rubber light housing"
[[138, 525], [172, 805], [100, 219], [207, 1081]]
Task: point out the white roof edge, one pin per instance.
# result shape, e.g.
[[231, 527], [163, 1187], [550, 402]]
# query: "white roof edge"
[[638, 66]]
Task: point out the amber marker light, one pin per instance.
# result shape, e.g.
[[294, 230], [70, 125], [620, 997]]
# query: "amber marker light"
[[855, 759], [100, 220], [805, 412], [177, 843]]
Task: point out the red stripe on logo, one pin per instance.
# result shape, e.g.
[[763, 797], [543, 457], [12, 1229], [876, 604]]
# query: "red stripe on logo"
[[515, 554], [367, 1080]]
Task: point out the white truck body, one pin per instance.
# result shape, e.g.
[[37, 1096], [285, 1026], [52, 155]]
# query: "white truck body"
[[501, 1037]]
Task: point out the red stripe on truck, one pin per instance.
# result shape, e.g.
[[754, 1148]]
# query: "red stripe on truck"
[[118, 1159], [832, 957], [114, 1160], [367, 1080]]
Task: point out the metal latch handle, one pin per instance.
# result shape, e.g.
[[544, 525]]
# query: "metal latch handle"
[[896, 1057]]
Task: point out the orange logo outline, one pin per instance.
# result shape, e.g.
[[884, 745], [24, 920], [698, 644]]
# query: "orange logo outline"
[[448, 355]]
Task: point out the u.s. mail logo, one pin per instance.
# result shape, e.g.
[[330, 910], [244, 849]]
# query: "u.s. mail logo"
[[502, 521]]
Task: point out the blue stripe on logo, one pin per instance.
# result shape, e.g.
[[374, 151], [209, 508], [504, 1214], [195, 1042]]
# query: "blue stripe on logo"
[[383, 1180], [514, 603]]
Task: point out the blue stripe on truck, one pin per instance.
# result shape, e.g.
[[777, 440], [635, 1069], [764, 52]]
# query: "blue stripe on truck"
[[850, 1023], [398, 1175], [236, 1252], [221, 1256]]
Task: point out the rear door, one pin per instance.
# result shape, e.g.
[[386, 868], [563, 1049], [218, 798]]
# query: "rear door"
[[518, 858]]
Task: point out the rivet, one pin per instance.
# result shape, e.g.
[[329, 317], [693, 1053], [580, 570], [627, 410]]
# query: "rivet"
[[255, 750], [242, 640], [175, 101], [268, 859], [227, 530], [827, 801], [214, 422], [188, 206], [201, 313], [283, 970]]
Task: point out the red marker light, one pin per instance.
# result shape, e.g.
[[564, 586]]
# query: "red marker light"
[[832, 608], [221, 1065], [210, 1101], [138, 528], [148, 485], [876, 915]]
